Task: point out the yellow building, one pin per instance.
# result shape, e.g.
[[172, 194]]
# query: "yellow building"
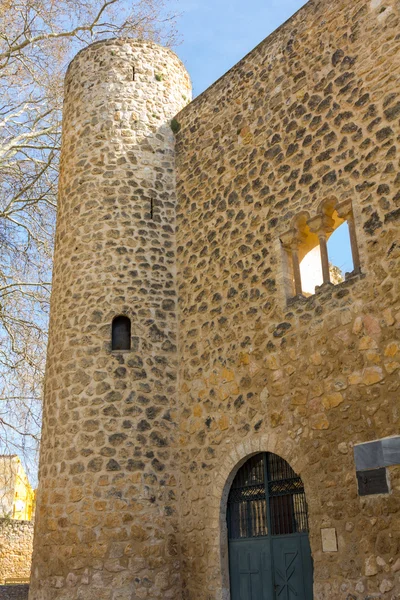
[[17, 498]]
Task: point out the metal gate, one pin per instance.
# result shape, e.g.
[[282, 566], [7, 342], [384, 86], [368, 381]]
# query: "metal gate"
[[269, 549]]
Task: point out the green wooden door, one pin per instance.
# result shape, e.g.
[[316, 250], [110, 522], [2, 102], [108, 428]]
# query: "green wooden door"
[[269, 549], [292, 567], [250, 569]]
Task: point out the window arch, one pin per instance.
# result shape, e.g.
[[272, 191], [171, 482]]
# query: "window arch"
[[266, 498], [121, 333], [317, 249]]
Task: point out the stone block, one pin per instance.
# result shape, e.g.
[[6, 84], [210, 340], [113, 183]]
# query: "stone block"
[[329, 540]]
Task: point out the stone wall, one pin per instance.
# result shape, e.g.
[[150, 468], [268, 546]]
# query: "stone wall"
[[140, 447], [313, 113], [14, 592], [16, 538], [106, 521]]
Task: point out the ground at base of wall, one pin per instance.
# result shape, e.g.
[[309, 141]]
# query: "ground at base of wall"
[[14, 592]]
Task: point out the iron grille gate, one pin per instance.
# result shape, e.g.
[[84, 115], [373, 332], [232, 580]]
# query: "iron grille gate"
[[266, 496], [269, 549]]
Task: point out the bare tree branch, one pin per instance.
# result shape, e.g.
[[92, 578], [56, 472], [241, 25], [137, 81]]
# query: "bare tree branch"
[[38, 38]]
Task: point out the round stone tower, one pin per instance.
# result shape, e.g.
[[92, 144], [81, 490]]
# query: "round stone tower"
[[106, 524]]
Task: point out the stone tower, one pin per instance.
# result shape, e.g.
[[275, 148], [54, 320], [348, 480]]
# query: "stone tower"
[[107, 519]]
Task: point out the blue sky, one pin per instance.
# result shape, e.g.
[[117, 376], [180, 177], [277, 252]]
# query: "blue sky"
[[339, 249], [218, 33]]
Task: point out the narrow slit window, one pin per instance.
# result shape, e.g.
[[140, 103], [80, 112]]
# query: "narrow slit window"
[[151, 208], [133, 73], [121, 333]]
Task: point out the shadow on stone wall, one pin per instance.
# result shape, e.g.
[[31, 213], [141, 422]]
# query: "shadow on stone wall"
[[14, 592]]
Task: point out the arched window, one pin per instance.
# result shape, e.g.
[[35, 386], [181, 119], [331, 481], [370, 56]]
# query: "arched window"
[[121, 333], [336, 240], [320, 250]]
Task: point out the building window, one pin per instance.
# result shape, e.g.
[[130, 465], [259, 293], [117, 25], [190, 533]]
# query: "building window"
[[121, 333], [321, 249]]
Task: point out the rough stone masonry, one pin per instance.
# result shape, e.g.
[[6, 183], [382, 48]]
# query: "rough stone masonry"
[[16, 539], [140, 446]]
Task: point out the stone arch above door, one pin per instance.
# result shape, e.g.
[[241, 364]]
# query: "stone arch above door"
[[230, 463]]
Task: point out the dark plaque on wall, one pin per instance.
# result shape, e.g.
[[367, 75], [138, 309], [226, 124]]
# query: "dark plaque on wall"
[[372, 482]]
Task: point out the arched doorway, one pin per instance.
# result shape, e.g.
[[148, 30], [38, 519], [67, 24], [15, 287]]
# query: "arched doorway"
[[269, 548]]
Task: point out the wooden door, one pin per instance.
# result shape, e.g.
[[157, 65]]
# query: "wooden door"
[[269, 549]]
